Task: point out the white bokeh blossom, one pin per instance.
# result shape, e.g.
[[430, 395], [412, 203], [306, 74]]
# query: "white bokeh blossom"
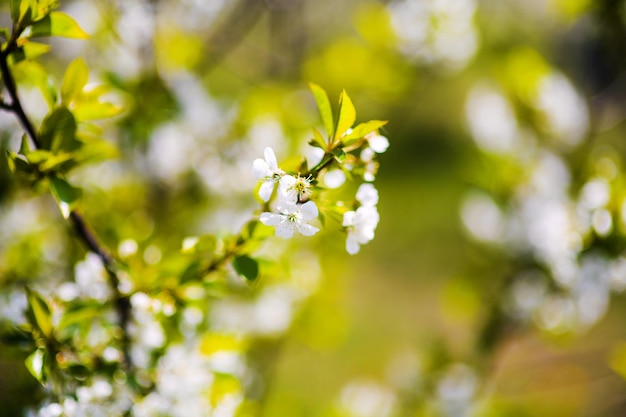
[[361, 226], [267, 170], [378, 143], [292, 217], [367, 195]]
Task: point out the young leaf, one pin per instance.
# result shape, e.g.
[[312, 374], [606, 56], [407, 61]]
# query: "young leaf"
[[318, 140], [361, 130], [246, 266], [35, 365], [40, 313], [58, 24], [65, 194], [323, 105], [58, 131], [347, 115], [15, 10], [24, 146], [74, 80], [35, 49]]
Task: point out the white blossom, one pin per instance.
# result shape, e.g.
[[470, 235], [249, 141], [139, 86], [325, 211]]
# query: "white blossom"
[[367, 195], [371, 166], [268, 171], [360, 225], [294, 189], [292, 217], [378, 143]]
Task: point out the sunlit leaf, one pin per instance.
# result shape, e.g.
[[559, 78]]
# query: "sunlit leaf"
[[58, 131], [74, 80], [318, 140], [35, 49], [63, 191], [95, 110], [361, 130], [347, 115], [24, 145], [323, 104], [32, 73], [40, 313], [58, 24], [35, 363], [246, 266]]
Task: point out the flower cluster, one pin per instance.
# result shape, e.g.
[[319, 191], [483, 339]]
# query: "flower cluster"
[[361, 223], [294, 212], [294, 209]]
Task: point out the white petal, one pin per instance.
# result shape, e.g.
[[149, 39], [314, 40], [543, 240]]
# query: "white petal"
[[352, 246], [285, 229], [287, 181], [348, 218], [309, 210], [260, 169], [271, 219], [265, 192], [367, 195], [306, 229], [367, 155], [334, 178], [270, 158], [286, 207], [378, 143], [286, 191]]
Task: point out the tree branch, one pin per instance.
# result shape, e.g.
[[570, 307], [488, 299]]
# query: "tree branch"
[[122, 303]]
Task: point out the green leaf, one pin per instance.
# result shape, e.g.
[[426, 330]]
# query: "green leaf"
[[361, 130], [246, 266], [318, 139], [347, 115], [95, 110], [323, 104], [24, 146], [5, 33], [39, 311], [74, 80], [31, 72], [15, 9], [19, 164], [35, 49], [35, 364], [21, 11], [81, 314], [63, 191], [58, 131], [58, 24], [55, 162]]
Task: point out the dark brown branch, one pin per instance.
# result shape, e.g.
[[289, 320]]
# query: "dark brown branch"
[[16, 105]]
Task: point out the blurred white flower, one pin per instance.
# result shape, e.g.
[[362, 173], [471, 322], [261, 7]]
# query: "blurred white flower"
[[291, 218], [268, 171], [334, 178], [367, 195], [378, 143], [360, 225]]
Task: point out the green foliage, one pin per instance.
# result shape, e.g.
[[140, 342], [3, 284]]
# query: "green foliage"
[[247, 267], [57, 24]]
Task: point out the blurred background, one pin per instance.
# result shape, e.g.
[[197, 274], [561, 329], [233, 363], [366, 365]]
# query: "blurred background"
[[494, 284]]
